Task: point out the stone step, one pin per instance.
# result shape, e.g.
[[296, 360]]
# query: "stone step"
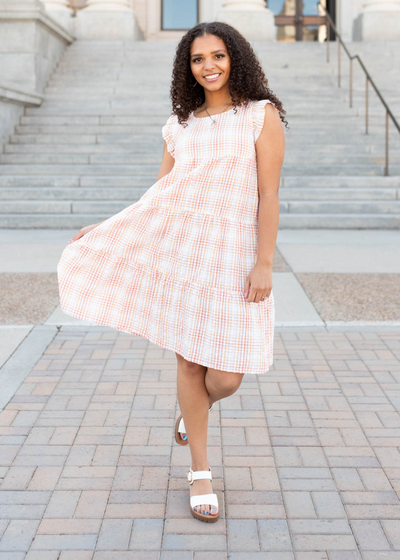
[[122, 107], [150, 145], [346, 182], [155, 128], [340, 207], [154, 158], [141, 158], [350, 121], [104, 107], [66, 182], [144, 170], [156, 137], [95, 144], [119, 169], [316, 183], [297, 221], [338, 194], [24, 193], [157, 144], [338, 221], [112, 207]]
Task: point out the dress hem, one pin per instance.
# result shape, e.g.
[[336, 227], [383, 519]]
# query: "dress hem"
[[153, 340]]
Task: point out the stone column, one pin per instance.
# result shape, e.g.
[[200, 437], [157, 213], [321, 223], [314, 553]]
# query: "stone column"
[[107, 20], [379, 21], [60, 10], [249, 17]]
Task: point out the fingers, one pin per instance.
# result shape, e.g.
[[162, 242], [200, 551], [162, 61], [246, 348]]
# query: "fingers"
[[256, 296]]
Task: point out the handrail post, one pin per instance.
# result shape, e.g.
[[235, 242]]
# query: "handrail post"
[[351, 82], [386, 172], [366, 106], [330, 24], [328, 32]]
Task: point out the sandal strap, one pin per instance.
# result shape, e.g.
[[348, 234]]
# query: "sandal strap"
[[211, 499], [198, 475]]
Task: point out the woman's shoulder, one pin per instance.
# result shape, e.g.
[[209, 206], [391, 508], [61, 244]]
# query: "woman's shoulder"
[[258, 115], [172, 119]]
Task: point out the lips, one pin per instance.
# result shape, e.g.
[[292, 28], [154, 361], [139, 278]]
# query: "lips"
[[214, 77]]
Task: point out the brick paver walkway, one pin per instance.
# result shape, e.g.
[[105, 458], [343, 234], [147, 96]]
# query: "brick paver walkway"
[[305, 458]]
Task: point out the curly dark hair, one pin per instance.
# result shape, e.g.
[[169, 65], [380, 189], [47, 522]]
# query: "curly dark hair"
[[247, 81]]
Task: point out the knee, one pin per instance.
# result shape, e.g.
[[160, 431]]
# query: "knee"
[[190, 368], [224, 381]]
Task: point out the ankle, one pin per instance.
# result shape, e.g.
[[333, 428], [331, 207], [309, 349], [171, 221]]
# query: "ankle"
[[200, 465]]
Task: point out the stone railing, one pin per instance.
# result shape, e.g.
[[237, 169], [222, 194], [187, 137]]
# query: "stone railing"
[[31, 44], [12, 104]]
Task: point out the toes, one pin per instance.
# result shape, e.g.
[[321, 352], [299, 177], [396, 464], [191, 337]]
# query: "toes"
[[184, 437], [206, 509]]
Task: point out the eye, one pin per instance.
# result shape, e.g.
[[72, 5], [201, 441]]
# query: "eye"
[[221, 55], [195, 59]]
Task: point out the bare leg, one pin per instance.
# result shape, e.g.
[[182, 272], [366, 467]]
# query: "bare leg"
[[194, 402], [222, 384]]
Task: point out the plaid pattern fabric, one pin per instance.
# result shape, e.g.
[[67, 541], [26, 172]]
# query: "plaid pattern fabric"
[[172, 267]]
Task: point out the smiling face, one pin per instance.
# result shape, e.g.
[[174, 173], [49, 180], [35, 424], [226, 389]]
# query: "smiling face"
[[210, 62]]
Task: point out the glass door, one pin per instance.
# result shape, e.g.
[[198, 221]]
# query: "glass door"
[[179, 14], [297, 20]]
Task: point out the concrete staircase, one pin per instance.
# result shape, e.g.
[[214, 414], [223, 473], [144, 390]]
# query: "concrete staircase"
[[94, 147]]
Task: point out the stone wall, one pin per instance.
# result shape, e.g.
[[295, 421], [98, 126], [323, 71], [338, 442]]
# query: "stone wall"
[[31, 44], [12, 103]]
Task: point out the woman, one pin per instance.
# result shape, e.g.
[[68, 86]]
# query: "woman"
[[189, 266]]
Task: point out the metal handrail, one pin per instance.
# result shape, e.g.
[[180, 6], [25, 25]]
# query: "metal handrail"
[[369, 80]]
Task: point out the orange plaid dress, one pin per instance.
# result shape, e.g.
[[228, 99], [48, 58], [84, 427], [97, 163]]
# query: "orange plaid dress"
[[172, 266]]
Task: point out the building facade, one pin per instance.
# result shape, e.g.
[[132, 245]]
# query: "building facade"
[[282, 20]]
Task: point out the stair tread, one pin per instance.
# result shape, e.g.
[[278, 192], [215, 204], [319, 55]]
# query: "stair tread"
[[95, 143]]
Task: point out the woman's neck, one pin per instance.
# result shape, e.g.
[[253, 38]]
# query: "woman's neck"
[[217, 99]]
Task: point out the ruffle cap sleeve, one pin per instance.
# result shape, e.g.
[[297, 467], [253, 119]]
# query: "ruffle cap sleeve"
[[168, 133], [258, 116]]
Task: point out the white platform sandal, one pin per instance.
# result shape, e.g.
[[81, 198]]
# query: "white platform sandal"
[[180, 428], [199, 499]]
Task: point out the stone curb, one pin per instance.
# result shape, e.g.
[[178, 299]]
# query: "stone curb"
[[20, 363]]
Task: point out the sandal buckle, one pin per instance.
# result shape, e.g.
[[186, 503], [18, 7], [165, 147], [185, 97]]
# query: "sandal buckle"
[[190, 476]]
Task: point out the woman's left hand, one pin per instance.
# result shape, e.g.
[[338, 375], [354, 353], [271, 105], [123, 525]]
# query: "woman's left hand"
[[258, 283]]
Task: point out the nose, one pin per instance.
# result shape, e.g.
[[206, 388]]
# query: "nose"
[[209, 65]]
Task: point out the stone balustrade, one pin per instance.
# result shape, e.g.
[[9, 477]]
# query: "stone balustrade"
[[31, 44]]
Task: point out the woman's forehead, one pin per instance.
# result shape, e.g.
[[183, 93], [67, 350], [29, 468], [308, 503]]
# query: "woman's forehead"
[[207, 43]]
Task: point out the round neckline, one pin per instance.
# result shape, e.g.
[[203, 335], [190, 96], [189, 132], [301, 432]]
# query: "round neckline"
[[216, 115]]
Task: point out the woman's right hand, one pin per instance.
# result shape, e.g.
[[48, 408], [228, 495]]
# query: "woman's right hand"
[[84, 231]]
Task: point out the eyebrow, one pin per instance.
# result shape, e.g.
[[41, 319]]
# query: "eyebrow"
[[213, 52]]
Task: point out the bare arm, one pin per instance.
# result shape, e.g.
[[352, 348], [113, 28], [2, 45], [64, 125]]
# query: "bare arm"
[[270, 149], [167, 163]]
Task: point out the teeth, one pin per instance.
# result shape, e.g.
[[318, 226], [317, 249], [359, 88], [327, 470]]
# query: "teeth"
[[212, 76]]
